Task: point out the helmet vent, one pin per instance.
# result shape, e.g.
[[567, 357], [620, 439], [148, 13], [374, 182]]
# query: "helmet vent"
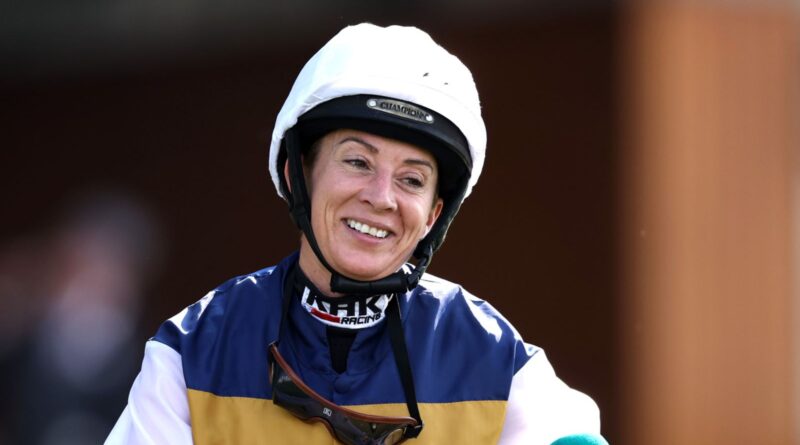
[[401, 109]]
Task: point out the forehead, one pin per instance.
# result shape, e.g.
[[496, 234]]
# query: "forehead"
[[376, 144]]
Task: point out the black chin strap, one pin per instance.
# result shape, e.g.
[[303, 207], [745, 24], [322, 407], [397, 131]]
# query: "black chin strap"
[[300, 206], [394, 283], [298, 199], [403, 364]]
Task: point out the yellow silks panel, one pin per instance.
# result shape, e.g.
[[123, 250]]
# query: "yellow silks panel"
[[245, 421]]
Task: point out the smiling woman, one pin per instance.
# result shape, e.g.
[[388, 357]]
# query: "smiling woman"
[[378, 144]]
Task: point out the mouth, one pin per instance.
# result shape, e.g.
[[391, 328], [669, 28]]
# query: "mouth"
[[366, 229]]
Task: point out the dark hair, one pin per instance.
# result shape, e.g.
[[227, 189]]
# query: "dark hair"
[[311, 154]]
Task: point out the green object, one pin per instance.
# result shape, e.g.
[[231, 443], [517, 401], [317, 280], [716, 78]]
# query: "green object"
[[581, 439]]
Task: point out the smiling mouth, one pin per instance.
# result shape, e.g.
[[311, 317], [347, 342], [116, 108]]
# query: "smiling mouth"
[[366, 229]]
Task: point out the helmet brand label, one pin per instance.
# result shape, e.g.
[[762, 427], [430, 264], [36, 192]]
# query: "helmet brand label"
[[399, 108]]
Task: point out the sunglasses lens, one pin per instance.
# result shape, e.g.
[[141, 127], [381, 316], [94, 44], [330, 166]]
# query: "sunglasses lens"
[[394, 437], [383, 435]]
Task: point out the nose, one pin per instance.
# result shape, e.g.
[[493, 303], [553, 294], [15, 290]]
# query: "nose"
[[379, 192]]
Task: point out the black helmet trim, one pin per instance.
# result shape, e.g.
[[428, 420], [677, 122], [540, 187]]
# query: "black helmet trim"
[[441, 137]]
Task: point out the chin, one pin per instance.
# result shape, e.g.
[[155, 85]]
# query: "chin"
[[364, 274], [366, 269]]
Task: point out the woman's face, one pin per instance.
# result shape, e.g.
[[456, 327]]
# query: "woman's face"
[[372, 200]]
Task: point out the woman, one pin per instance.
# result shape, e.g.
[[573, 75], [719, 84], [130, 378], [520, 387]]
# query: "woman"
[[376, 147]]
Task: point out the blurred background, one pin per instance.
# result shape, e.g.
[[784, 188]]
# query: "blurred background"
[[637, 217]]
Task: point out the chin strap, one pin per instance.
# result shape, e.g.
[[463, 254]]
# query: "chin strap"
[[398, 282], [403, 364], [299, 204], [300, 207]]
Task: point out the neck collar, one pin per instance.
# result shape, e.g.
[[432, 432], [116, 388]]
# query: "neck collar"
[[347, 311]]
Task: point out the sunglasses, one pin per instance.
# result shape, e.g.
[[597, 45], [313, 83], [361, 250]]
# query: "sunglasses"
[[348, 426]]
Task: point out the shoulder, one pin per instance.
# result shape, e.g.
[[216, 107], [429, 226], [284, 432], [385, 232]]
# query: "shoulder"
[[542, 407], [242, 300], [453, 311], [448, 293], [237, 321], [158, 409], [450, 299]]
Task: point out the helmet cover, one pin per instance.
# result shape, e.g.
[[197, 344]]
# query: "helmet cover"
[[395, 62]]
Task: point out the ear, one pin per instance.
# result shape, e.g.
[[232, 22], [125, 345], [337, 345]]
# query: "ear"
[[434, 214], [286, 175]]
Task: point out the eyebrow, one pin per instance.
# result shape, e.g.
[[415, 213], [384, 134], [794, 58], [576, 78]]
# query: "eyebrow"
[[374, 149]]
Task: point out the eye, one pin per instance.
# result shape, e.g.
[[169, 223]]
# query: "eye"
[[414, 182], [357, 163]]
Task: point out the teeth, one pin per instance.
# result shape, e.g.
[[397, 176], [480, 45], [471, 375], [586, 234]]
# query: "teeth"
[[363, 228]]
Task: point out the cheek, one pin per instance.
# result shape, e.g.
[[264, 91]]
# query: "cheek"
[[418, 221], [332, 193], [318, 187]]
